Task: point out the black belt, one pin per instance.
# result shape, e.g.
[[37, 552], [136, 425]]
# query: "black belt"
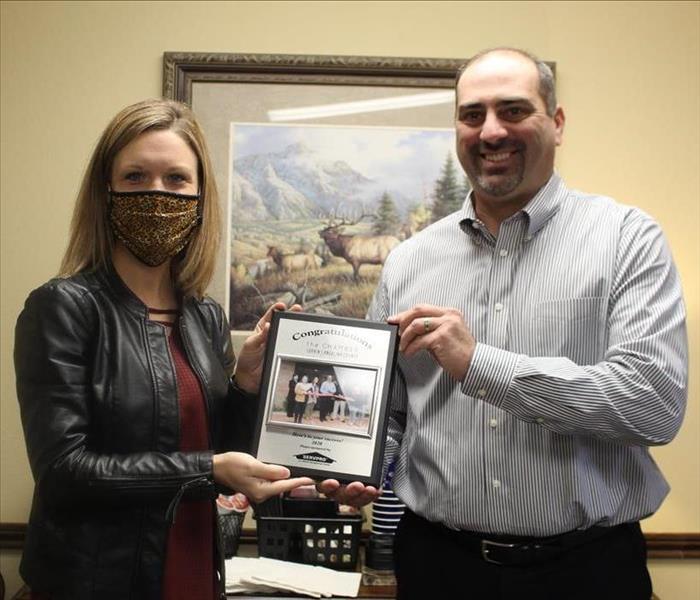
[[520, 551]]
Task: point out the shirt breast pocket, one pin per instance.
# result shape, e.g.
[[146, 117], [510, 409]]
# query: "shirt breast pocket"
[[570, 327]]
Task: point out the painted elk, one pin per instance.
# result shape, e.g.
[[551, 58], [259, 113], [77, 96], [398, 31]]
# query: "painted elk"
[[261, 266], [357, 249], [293, 262]]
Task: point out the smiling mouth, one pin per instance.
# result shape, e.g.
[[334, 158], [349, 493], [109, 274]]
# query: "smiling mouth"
[[497, 157]]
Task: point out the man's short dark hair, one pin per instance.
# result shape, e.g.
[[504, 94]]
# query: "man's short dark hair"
[[546, 75]]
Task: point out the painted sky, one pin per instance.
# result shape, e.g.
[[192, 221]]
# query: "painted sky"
[[405, 159]]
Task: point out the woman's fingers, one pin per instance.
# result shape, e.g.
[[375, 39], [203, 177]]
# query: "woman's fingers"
[[269, 472], [286, 485]]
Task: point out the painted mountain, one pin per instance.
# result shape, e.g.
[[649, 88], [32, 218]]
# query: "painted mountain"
[[291, 172]]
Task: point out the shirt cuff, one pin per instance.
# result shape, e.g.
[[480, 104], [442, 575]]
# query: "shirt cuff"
[[490, 374], [237, 388]]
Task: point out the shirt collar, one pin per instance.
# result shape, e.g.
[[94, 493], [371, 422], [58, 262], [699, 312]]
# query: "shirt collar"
[[538, 211]]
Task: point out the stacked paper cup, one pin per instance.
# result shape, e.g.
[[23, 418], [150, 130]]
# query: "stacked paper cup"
[[386, 514]]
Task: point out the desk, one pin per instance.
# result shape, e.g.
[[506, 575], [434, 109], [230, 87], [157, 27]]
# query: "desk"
[[370, 592], [373, 592], [249, 549]]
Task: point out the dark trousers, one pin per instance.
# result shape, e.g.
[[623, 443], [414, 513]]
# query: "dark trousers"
[[325, 406], [432, 563], [299, 408]]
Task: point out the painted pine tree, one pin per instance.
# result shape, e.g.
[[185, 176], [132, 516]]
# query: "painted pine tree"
[[448, 195], [386, 221]]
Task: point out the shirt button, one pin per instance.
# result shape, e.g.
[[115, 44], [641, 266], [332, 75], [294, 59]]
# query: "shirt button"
[[539, 420], [503, 252], [498, 307], [493, 423], [528, 238], [481, 393], [496, 483], [475, 225]]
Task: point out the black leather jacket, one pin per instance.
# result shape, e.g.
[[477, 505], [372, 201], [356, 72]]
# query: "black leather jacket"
[[98, 399]]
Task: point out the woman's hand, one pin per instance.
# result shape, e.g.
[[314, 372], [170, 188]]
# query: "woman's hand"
[[258, 481], [250, 361]]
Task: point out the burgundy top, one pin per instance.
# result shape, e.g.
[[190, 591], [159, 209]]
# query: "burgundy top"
[[189, 558]]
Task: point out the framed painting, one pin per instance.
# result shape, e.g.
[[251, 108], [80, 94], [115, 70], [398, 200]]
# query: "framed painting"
[[324, 164]]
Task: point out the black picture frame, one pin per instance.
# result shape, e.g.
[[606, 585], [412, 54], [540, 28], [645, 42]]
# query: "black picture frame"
[[356, 359]]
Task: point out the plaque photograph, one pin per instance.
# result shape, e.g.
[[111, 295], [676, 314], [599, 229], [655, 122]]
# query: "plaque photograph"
[[325, 393]]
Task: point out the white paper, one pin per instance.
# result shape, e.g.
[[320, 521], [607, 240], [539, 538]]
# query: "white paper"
[[267, 574]]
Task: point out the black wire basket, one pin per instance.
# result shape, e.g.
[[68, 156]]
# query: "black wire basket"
[[231, 525], [327, 542]]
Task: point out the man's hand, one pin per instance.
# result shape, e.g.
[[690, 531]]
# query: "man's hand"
[[250, 361], [257, 480], [353, 494], [440, 331]]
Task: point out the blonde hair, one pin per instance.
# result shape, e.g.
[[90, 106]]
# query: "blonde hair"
[[90, 240]]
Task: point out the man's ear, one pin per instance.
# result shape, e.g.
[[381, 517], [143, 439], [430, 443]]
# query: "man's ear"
[[559, 121]]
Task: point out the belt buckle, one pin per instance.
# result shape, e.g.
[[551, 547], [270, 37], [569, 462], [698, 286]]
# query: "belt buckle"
[[488, 545]]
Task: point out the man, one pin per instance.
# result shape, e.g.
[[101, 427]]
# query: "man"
[[326, 397], [530, 389], [339, 405]]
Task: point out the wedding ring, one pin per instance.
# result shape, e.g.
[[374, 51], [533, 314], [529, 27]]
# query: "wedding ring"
[[426, 324]]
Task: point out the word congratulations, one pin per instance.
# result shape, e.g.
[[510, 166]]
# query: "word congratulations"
[[339, 332]]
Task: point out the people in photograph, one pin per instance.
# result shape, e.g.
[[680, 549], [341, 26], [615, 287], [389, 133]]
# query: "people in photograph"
[[132, 418], [312, 398], [543, 351], [301, 395], [339, 405], [290, 395], [357, 405], [326, 397], [354, 409]]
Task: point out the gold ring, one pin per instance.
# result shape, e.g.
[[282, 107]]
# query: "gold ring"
[[426, 324]]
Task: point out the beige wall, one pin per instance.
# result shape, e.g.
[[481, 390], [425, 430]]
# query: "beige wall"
[[628, 77]]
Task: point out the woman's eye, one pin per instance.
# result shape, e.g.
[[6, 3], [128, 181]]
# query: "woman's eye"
[[133, 176], [177, 178]]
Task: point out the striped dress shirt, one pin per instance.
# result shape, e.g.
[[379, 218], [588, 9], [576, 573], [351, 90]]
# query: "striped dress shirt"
[[580, 366]]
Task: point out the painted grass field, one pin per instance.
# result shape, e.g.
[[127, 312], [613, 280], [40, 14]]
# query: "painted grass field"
[[253, 289]]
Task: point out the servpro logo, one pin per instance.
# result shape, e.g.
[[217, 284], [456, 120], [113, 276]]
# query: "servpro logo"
[[315, 457]]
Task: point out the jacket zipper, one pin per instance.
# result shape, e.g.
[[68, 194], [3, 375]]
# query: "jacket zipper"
[[154, 383], [195, 367]]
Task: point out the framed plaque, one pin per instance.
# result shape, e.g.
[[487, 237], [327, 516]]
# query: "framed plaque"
[[325, 393]]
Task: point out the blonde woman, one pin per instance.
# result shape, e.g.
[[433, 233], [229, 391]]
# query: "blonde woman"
[[131, 412]]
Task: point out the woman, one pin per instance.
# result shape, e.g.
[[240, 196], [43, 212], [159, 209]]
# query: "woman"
[[290, 395], [301, 397], [313, 397], [131, 416]]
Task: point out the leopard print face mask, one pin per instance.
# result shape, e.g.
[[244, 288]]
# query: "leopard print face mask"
[[154, 226]]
